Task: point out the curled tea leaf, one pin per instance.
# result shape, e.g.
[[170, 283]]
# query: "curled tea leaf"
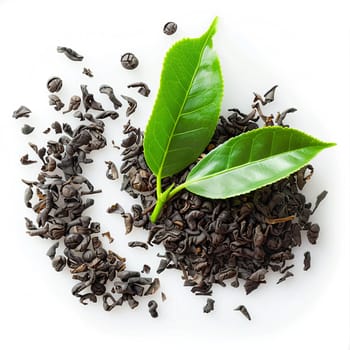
[[70, 53]]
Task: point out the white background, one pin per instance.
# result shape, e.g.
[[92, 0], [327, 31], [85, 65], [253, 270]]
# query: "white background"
[[303, 46]]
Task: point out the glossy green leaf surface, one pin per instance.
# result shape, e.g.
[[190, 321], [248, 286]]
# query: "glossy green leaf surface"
[[252, 160], [187, 106]]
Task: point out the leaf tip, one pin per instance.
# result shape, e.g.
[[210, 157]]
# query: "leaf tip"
[[212, 29]]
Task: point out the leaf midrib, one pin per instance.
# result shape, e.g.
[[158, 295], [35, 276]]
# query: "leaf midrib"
[[191, 182], [183, 103]]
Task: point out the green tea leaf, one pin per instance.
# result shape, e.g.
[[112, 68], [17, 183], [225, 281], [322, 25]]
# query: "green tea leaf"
[[187, 107], [252, 160]]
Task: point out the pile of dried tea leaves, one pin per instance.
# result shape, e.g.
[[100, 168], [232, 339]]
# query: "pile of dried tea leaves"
[[235, 240], [211, 241], [61, 193]]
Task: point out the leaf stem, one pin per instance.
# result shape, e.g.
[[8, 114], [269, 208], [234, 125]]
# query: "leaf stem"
[[161, 200], [159, 186], [177, 189]]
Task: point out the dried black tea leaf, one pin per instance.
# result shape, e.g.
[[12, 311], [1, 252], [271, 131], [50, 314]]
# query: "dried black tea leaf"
[[51, 253], [89, 101], [71, 54], [154, 286], [74, 104], [163, 264], [88, 296], [303, 175], [106, 89], [244, 311], [115, 145], [68, 130], [313, 233], [319, 199], [21, 112], [249, 286], [143, 88], [280, 117], [132, 105], [285, 269], [54, 100], [170, 28], [209, 306], [163, 296], [129, 61], [146, 268], [108, 235], [108, 114], [28, 195], [59, 262], [307, 261], [134, 244], [285, 276], [30, 225], [109, 302], [79, 115], [88, 72], [27, 129], [54, 84], [128, 222], [269, 96], [115, 208], [57, 127], [152, 308], [112, 172], [26, 161]]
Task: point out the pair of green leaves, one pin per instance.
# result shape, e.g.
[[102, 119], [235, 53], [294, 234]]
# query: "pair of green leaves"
[[183, 121]]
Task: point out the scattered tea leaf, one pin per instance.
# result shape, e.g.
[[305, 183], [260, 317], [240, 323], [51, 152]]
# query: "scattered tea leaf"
[[285, 276], [244, 311], [307, 261], [134, 244], [26, 161], [209, 306], [319, 199]]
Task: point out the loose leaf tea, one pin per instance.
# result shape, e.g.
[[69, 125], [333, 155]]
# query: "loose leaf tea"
[[152, 308], [285, 276], [212, 241], [60, 203], [307, 260], [209, 306], [170, 28], [70, 53], [129, 61], [54, 84], [244, 311], [27, 129], [143, 88], [132, 105], [106, 89], [21, 112], [237, 210], [88, 72]]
